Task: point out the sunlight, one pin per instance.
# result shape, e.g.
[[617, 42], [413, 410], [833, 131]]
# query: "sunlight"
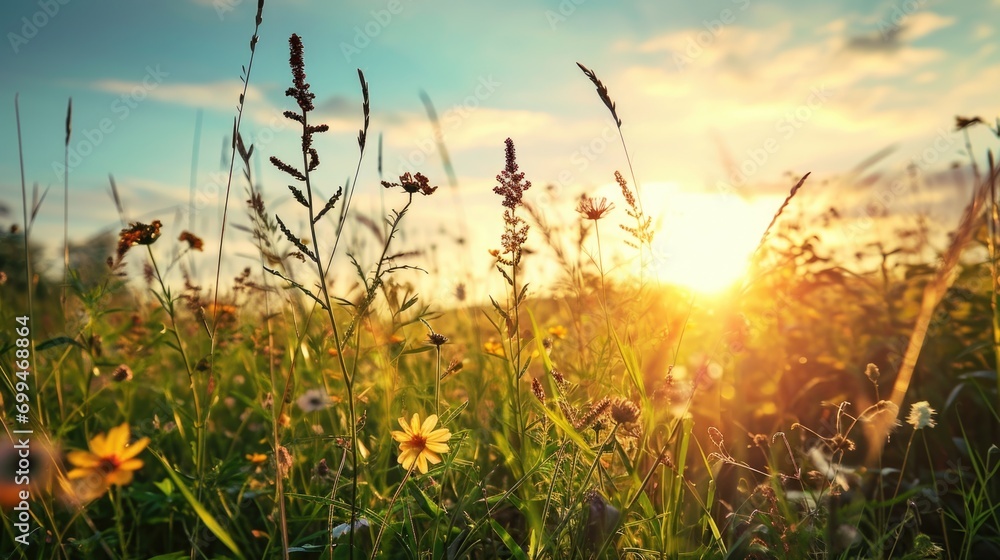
[[704, 239]]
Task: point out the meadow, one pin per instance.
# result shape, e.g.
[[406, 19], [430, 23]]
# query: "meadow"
[[829, 404]]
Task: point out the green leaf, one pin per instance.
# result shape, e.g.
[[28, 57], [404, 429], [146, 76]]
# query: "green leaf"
[[165, 486], [203, 513], [426, 504], [508, 540], [180, 555], [57, 341]]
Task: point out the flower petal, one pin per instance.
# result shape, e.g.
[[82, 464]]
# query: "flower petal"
[[84, 459], [131, 465], [134, 449], [405, 425], [436, 447], [117, 439], [429, 424]]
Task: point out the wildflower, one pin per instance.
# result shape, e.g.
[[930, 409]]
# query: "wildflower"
[[511, 188], [137, 234], [122, 373], [256, 458], [921, 415], [558, 332], [493, 347], [194, 242], [412, 184], [421, 443], [436, 339], [110, 460], [594, 209], [592, 415], [624, 411], [313, 400]]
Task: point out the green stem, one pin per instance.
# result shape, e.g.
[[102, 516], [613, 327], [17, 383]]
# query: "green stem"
[[388, 511]]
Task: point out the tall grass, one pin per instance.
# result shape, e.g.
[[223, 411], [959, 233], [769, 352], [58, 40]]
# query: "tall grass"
[[612, 418]]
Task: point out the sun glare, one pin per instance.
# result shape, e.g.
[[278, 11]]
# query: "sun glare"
[[705, 239]]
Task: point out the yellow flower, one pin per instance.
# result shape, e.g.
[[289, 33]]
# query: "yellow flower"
[[421, 442], [110, 461], [256, 458], [493, 347], [557, 331]]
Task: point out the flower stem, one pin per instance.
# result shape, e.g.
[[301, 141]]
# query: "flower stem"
[[388, 511]]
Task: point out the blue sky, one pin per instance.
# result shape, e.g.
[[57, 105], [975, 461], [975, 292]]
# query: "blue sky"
[[737, 92]]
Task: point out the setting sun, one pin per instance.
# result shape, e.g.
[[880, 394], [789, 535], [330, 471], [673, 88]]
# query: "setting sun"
[[705, 239]]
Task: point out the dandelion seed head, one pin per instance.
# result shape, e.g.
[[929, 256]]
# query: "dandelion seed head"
[[921, 415]]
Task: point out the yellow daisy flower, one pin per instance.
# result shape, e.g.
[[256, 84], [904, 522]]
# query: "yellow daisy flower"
[[110, 461], [421, 442]]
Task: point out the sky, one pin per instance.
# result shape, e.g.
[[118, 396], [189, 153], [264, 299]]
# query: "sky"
[[723, 104]]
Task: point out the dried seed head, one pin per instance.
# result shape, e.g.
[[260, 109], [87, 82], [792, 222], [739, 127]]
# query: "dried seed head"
[[624, 411], [322, 469], [558, 376], [598, 408], [437, 339], [536, 389], [872, 373], [194, 242], [594, 208], [455, 366], [840, 443], [921, 416], [122, 373], [283, 461]]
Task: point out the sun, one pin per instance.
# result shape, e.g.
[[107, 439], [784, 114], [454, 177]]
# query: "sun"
[[705, 239]]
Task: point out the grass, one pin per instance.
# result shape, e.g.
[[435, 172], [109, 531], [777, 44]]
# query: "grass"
[[601, 415]]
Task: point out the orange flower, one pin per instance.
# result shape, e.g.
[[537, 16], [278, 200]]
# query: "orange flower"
[[110, 461], [421, 443]]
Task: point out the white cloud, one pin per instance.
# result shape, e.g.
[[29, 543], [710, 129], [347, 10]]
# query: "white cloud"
[[221, 95], [921, 24]]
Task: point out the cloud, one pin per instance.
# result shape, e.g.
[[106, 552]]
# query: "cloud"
[[220, 95], [892, 37]]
